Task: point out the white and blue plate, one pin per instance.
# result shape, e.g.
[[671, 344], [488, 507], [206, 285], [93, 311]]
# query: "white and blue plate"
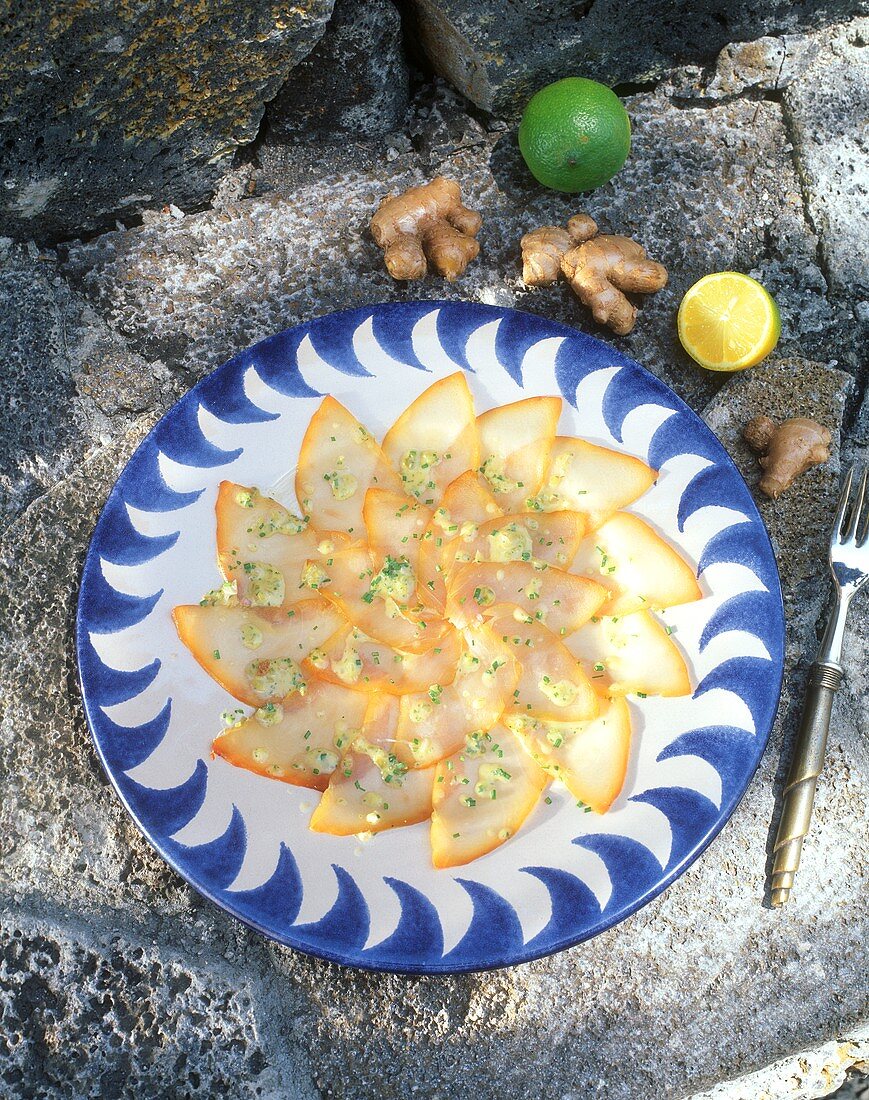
[[242, 840]]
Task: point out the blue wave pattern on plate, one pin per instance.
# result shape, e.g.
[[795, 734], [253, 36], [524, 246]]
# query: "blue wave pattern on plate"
[[494, 936]]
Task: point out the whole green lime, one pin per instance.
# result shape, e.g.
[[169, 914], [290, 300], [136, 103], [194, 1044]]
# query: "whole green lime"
[[575, 135]]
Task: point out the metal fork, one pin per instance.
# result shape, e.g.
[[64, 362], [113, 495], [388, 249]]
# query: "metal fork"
[[849, 564]]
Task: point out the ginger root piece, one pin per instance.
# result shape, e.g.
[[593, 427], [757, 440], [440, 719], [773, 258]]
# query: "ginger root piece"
[[786, 450], [542, 249], [600, 269], [427, 225], [599, 272]]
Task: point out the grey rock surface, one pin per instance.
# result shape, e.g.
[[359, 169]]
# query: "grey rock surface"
[[798, 522], [63, 832], [69, 383], [856, 1086], [355, 81], [498, 55], [107, 108], [116, 978], [831, 1069], [89, 1013], [828, 119], [768, 64]]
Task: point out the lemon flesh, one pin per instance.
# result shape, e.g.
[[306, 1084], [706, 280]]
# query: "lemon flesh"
[[728, 322]]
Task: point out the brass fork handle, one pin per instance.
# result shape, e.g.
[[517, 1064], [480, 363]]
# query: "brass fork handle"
[[799, 794]]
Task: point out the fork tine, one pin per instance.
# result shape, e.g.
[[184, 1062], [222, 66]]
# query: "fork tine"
[[861, 513], [856, 510], [843, 504]]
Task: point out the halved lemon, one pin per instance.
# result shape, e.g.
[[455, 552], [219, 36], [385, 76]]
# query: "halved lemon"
[[728, 322]]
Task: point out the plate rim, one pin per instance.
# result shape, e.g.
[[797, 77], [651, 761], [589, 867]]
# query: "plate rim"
[[725, 811]]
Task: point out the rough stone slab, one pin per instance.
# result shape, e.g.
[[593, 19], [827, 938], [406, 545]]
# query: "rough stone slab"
[[69, 383], [109, 107], [62, 829], [826, 109], [856, 1086], [354, 82], [769, 64], [704, 189], [819, 1072], [799, 521], [89, 1012], [499, 54]]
